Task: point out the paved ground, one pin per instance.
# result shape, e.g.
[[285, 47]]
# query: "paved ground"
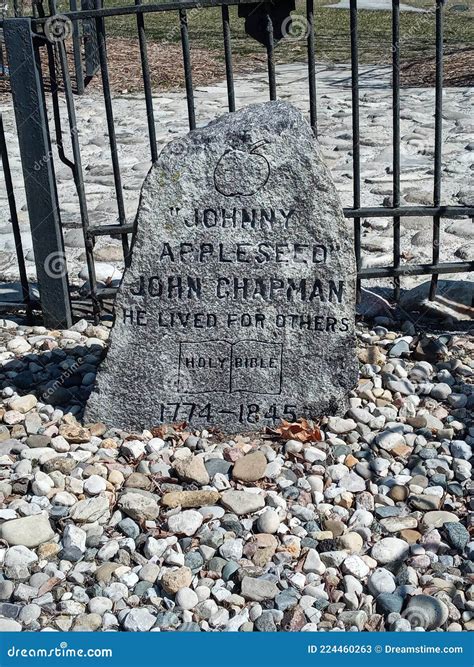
[[334, 107]]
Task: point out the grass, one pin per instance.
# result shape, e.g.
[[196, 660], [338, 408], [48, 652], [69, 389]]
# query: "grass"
[[332, 32]]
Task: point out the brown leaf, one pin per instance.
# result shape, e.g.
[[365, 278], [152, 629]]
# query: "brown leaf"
[[303, 430], [166, 430], [48, 586]]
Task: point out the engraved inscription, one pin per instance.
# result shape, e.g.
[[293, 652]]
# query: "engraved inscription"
[[242, 172], [248, 366], [237, 309]]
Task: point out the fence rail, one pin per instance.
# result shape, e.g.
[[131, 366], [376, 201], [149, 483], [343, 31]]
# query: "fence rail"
[[27, 38]]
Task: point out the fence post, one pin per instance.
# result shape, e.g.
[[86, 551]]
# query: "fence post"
[[38, 172]]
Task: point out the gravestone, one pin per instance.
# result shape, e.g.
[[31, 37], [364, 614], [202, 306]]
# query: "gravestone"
[[238, 307]]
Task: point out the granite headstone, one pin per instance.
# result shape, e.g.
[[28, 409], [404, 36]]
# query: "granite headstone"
[[238, 307]]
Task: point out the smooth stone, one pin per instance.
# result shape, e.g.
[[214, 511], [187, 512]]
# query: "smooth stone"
[[268, 522], [242, 502], [185, 523], [258, 589], [438, 518], [29, 531], [388, 603], [139, 507], [389, 550], [190, 498], [381, 581], [250, 467], [186, 598]]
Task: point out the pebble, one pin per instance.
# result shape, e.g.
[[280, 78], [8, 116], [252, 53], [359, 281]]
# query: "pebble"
[[94, 485], [186, 523], [457, 534], [30, 531], [268, 522], [186, 598], [192, 469], [190, 498], [381, 581], [139, 507], [139, 620], [389, 550], [242, 502], [250, 467], [258, 589]]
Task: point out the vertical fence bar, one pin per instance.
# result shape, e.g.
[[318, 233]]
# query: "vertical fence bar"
[[355, 133], [313, 114], [78, 177], [229, 72], [25, 289], [38, 172], [188, 75], [396, 137], [100, 29], [270, 56], [150, 116], [438, 141], [77, 51]]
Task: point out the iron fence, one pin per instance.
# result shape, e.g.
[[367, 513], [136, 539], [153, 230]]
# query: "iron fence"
[[27, 38]]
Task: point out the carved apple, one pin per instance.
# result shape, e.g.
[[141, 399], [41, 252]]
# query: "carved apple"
[[241, 172]]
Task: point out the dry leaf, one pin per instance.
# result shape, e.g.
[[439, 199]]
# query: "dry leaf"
[[303, 430]]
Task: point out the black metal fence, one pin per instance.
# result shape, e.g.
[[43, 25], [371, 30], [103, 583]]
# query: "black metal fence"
[[28, 38]]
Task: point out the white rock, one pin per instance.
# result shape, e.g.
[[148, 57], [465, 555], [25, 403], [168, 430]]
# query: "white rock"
[[185, 523], [389, 550], [338, 425], [268, 522], [381, 581], [186, 598], [139, 620], [94, 485], [313, 563], [23, 404], [73, 542], [356, 566]]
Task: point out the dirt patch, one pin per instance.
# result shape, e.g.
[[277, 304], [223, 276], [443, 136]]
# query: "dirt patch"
[[458, 71]]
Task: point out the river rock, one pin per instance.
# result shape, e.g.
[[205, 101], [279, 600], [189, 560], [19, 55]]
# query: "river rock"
[[190, 498], [242, 502], [250, 468], [30, 531]]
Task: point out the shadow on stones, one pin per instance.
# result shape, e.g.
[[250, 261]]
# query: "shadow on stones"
[[61, 378]]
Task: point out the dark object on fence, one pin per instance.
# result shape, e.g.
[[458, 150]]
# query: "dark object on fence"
[[257, 18], [25, 37]]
